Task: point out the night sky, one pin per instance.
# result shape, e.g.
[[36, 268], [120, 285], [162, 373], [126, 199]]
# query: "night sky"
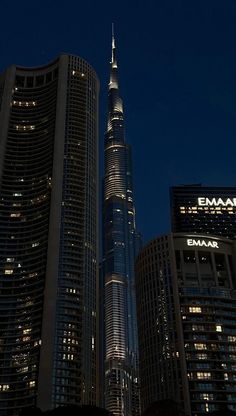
[[177, 74]]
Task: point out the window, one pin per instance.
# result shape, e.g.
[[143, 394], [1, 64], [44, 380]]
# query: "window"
[[197, 327], [4, 387], [205, 386], [199, 346], [201, 356], [195, 309], [203, 375], [231, 338], [8, 271], [206, 396]]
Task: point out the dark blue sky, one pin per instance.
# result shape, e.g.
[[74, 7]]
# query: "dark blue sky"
[[177, 64]]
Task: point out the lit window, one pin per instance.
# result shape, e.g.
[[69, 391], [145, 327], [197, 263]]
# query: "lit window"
[[24, 127], [218, 328], [198, 327], [33, 274], [231, 338], [4, 387], [195, 309], [68, 357], [206, 396], [200, 346], [32, 383], [35, 244], [38, 342], [22, 370], [203, 375], [201, 356], [8, 271], [24, 103], [25, 339]]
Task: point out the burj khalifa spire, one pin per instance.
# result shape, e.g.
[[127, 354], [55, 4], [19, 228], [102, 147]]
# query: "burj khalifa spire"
[[120, 245]]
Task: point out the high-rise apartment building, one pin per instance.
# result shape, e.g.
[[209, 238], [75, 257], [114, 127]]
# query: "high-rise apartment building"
[[204, 210], [48, 235], [186, 303], [120, 246]]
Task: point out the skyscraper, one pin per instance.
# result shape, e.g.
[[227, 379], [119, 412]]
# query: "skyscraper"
[[186, 300], [48, 235], [204, 210], [120, 247]]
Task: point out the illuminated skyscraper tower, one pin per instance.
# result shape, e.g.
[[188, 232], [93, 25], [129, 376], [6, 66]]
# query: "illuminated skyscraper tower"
[[48, 235], [120, 247]]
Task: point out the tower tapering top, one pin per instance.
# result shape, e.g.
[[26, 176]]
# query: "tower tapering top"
[[113, 84], [113, 53], [113, 36]]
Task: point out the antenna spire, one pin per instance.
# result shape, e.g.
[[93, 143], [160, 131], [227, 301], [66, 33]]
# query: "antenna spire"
[[113, 59], [112, 30], [113, 74]]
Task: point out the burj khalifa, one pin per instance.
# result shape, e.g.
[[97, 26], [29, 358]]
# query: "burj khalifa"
[[121, 243]]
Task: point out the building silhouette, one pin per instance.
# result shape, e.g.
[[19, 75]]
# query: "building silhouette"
[[120, 245], [48, 235], [186, 300]]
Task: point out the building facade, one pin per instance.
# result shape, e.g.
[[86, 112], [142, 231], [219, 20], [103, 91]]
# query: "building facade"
[[204, 210], [48, 235], [186, 302], [120, 244]]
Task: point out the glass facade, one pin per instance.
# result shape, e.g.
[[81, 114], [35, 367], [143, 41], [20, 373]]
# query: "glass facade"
[[120, 242], [186, 301], [26, 182], [48, 229], [209, 329]]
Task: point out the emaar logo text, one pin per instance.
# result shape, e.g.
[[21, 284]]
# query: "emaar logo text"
[[202, 243], [228, 202]]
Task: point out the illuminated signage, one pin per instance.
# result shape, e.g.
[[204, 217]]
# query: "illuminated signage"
[[202, 243], [205, 202]]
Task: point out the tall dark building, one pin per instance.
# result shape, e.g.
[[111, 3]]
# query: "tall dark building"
[[186, 303], [48, 235], [120, 246], [204, 210]]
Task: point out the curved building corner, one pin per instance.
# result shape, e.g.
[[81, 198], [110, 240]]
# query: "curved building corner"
[[49, 246]]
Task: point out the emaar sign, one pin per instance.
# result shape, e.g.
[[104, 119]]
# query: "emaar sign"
[[215, 202], [202, 243]]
